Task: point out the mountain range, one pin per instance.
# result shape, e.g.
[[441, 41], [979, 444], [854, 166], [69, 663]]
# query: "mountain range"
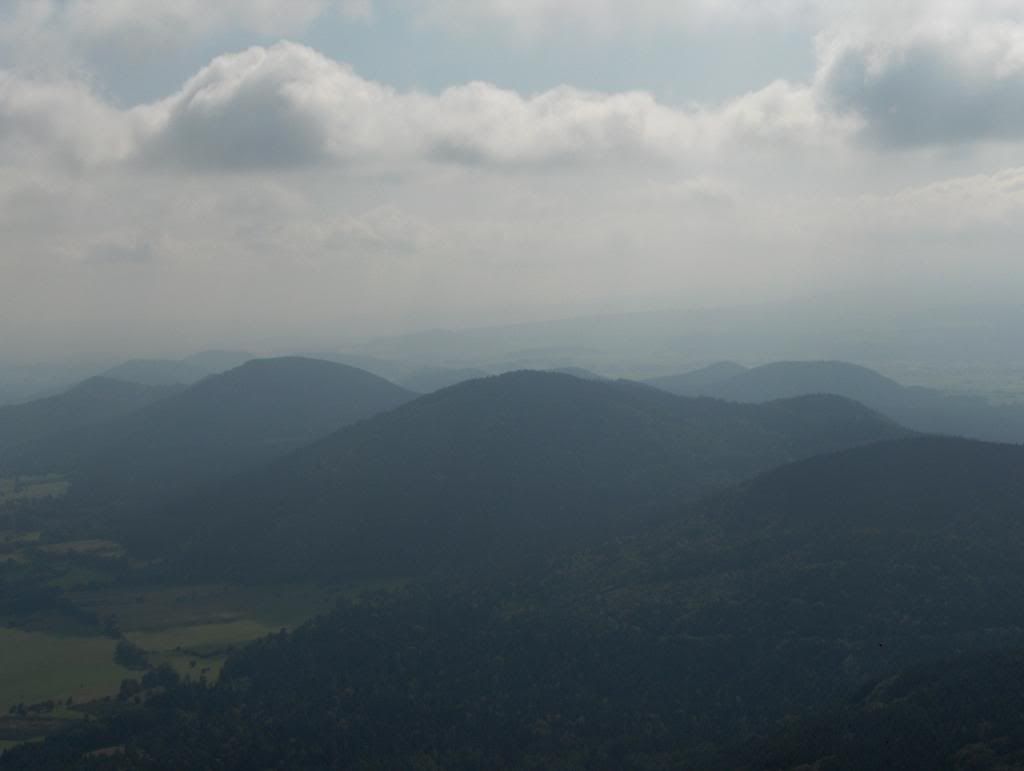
[[921, 409], [220, 426], [92, 401], [490, 469]]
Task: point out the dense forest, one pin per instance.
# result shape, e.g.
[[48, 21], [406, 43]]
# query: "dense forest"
[[706, 640]]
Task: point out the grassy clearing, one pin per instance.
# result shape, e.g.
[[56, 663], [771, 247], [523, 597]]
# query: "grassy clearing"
[[93, 547], [36, 667], [157, 609], [192, 628], [27, 488], [202, 639], [17, 538], [199, 650], [6, 744]]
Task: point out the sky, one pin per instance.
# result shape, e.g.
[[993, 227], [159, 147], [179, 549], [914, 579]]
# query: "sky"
[[261, 173]]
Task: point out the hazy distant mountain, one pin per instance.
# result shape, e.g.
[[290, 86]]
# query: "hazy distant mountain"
[[984, 337], [20, 383], [579, 372], [528, 457], [921, 409], [386, 368], [430, 379], [785, 596], [185, 371], [92, 401], [218, 361], [228, 422], [157, 372], [697, 382]]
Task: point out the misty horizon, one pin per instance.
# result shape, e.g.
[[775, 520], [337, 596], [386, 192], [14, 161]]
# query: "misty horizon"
[[274, 176]]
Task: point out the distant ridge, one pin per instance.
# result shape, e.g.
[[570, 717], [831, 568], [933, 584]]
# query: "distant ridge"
[[92, 401], [185, 371], [430, 379], [921, 409], [696, 382], [528, 458], [220, 426]]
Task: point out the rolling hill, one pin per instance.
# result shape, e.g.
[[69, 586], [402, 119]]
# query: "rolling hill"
[[527, 458], [95, 400], [220, 426], [921, 409]]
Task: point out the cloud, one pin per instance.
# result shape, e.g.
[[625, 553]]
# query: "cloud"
[[261, 108], [341, 203], [945, 80], [288, 105], [62, 120]]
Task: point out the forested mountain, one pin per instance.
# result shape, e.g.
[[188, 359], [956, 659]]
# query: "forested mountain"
[[663, 650], [527, 458], [951, 715], [921, 409], [220, 426], [92, 401]]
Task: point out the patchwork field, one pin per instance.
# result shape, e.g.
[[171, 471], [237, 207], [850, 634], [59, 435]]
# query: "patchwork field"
[[65, 606], [27, 488], [192, 628]]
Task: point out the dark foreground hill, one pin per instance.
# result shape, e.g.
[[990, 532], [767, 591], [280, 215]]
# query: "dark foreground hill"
[[789, 595], [922, 409], [480, 471], [218, 427], [95, 400], [955, 714]]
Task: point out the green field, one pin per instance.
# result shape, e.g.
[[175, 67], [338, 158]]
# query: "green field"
[[37, 667], [27, 488], [55, 652], [190, 627], [93, 547]]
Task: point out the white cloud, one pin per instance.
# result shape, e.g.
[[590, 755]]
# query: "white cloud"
[[62, 120], [290, 106]]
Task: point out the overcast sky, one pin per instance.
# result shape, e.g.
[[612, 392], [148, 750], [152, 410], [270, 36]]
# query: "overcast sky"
[[176, 176]]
